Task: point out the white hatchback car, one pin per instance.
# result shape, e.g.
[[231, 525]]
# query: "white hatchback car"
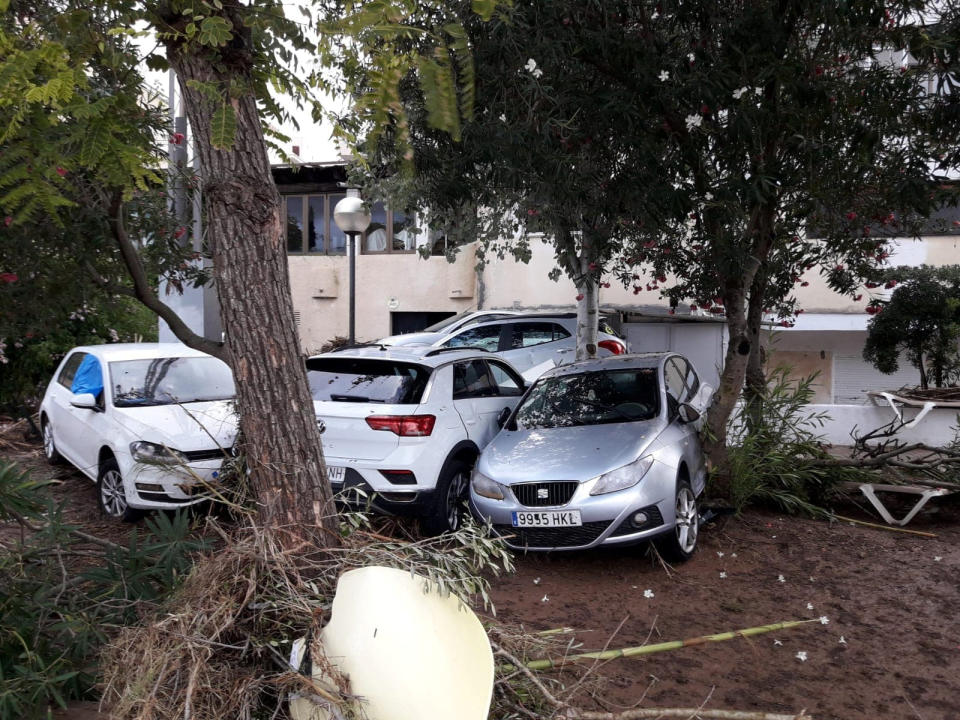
[[408, 423], [146, 421]]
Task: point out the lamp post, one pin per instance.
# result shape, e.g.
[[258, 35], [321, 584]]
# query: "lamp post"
[[353, 219]]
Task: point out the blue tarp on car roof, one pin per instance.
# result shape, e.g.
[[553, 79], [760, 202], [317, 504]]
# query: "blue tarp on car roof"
[[89, 378]]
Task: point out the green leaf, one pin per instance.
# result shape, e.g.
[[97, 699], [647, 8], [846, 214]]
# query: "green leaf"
[[223, 127], [215, 31], [484, 8]]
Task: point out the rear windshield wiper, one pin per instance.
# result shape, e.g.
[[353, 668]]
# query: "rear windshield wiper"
[[354, 398]]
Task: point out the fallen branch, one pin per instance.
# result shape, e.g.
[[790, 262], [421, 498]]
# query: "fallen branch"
[[546, 664]]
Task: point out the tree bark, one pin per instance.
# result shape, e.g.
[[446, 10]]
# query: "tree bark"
[[755, 384], [741, 338], [244, 222], [588, 312]]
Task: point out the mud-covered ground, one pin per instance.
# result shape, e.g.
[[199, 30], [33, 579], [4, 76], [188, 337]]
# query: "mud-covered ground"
[[890, 648]]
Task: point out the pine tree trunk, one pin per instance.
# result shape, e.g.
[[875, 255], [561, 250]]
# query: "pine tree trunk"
[[244, 226]]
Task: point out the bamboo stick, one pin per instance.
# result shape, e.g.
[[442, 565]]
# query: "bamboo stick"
[[546, 664], [885, 527], [687, 713]]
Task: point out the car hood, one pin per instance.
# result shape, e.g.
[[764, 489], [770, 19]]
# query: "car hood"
[[193, 426], [565, 453]]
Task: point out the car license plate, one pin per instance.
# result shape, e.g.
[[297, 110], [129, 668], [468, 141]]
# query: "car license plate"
[[551, 518], [335, 474]]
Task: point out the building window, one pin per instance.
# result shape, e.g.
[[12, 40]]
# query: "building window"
[[389, 232], [309, 225]]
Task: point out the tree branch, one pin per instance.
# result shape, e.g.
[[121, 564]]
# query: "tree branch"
[[145, 294]]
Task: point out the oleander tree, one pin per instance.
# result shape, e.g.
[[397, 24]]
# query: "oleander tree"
[[80, 130], [729, 148]]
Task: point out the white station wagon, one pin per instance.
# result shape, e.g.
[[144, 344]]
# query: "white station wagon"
[[146, 421]]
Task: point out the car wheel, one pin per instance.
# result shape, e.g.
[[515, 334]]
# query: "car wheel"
[[111, 494], [50, 445], [452, 490], [680, 543]]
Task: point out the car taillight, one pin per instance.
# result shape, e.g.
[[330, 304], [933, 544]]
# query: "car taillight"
[[613, 346], [403, 425]]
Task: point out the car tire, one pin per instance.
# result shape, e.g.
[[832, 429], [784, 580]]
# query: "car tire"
[[111, 495], [452, 488], [49, 444], [680, 543]]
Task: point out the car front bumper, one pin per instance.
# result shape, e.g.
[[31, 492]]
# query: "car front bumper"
[[160, 487], [606, 519]]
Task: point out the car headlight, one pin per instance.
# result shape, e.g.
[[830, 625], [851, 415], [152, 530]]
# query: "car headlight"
[[148, 452], [623, 477], [485, 487]]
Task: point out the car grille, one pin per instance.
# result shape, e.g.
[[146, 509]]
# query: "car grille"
[[197, 455], [545, 494], [553, 537]]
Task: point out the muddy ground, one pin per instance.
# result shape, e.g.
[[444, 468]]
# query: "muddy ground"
[[890, 649]]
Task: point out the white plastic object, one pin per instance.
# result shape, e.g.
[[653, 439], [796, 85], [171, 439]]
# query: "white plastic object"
[[408, 652]]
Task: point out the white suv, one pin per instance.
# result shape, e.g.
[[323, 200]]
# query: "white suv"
[[408, 423]]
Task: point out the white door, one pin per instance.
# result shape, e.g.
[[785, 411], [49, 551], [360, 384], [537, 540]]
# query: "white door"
[[477, 397]]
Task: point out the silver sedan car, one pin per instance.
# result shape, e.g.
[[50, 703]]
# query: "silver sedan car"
[[600, 452]]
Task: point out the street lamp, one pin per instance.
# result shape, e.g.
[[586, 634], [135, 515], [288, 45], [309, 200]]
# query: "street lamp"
[[353, 219]]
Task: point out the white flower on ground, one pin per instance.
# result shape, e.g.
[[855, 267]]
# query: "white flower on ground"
[[503, 117], [691, 57], [655, 15], [648, 593], [719, 553], [531, 67], [738, 93], [809, 606], [544, 599], [812, 578], [693, 121], [664, 76], [708, 197], [758, 90], [842, 640], [723, 574], [777, 642], [536, 581], [824, 620], [781, 578], [937, 558], [801, 656]]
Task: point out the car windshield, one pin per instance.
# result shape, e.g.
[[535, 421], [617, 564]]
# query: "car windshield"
[[446, 322], [366, 380], [170, 381], [591, 398]]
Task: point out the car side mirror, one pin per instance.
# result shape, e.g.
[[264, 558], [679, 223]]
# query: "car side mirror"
[[687, 414], [84, 400], [502, 417]]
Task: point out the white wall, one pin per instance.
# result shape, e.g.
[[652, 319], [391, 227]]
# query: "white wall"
[[703, 343], [937, 428]]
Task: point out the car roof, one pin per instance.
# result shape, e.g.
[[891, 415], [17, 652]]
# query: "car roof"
[[139, 351], [612, 362], [421, 354]]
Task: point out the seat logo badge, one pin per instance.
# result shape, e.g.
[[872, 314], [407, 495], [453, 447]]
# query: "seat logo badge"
[[321, 426], [542, 494]]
